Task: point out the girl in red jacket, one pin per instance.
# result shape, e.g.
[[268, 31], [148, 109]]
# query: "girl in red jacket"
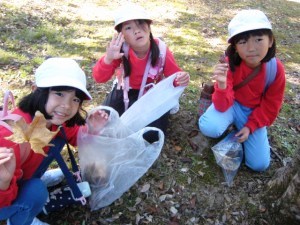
[[59, 94], [252, 107], [129, 51]]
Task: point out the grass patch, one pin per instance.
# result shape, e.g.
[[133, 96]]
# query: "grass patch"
[[8, 56]]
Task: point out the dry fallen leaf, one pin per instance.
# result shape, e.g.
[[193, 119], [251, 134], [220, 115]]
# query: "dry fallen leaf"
[[193, 201], [177, 148], [151, 209], [36, 133], [145, 188], [161, 185]]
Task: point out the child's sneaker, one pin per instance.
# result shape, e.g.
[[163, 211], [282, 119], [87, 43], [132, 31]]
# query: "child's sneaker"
[[52, 177]]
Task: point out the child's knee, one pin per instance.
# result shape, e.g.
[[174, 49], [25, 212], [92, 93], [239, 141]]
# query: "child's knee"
[[258, 165], [209, 128], [257, 152], [40, 192]]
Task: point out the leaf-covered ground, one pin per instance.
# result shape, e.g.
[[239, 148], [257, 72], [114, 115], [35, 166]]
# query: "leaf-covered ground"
[[184, 186]]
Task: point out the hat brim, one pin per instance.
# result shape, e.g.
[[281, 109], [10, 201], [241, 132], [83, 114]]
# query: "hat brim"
[[244, 29], [66, 82], [133, 18]]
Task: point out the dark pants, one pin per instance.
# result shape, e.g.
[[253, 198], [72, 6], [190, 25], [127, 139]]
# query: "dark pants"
[[115, 100]]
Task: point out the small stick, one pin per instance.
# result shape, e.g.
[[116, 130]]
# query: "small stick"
[[277, 155]]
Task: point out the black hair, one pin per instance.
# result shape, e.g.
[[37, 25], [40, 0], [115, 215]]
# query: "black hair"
[[36, 101], [233, 56], [153, 45]]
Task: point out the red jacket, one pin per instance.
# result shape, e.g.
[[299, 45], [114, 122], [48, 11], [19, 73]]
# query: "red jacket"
[[265, 106], [26, 169], [103, 72]]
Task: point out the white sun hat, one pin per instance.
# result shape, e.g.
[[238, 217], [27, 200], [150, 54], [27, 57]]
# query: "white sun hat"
[[130, 11], [61, 72], [246, 20]]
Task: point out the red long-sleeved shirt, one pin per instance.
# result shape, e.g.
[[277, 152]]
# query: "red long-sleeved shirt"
[[265, 106], [103, 72], [26, 169]]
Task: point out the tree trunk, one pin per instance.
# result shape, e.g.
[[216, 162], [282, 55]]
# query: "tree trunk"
[[283, 194]]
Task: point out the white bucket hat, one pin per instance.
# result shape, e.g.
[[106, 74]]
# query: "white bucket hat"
[[61, 72], [130, 11], [246, 20]]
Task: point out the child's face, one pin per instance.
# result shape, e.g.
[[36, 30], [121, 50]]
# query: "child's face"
[[253, 50], [136, 34], [62, 106]]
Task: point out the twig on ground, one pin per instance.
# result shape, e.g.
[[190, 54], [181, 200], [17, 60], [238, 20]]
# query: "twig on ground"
[[277, 155]]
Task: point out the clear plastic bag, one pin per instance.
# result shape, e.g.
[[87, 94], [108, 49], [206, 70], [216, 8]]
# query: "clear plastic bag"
[[113, 161], [229, 155], [160, 99]]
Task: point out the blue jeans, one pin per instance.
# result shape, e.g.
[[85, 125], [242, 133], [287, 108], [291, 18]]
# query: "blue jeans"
[[32, 196], [257, 149]]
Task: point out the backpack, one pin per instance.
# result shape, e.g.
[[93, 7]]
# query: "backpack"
[[208, 89], [54, 151], [271, 72], [156, 71], [5, 112]]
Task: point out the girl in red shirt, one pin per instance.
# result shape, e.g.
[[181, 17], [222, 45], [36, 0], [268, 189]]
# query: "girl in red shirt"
[[59, 93], [252, 107], [133, 26]]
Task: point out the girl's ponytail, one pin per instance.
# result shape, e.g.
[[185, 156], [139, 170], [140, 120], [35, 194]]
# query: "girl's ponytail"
[[154, 51], [126, 65], [233, 57]]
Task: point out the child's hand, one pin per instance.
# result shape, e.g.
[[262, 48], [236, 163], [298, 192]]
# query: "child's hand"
[[7, 167], [220, 75], [113, 48], [182, 79], [97, 121], [243, 134]]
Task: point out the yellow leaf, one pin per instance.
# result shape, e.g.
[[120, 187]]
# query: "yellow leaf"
[[36, 133], [18, 128]]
